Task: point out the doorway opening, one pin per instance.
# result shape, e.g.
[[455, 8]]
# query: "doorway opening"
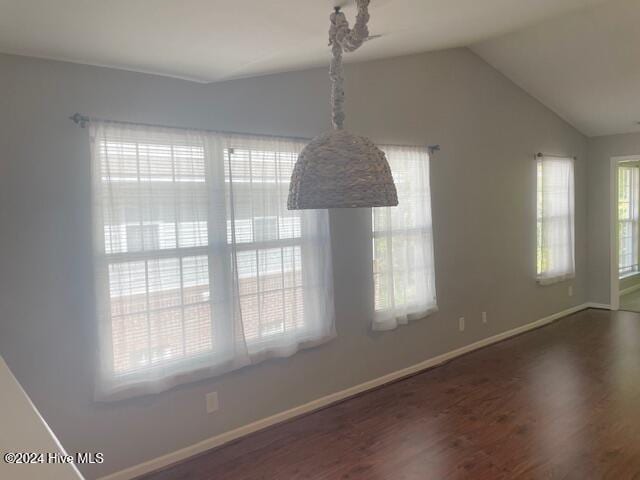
[[625, 241]]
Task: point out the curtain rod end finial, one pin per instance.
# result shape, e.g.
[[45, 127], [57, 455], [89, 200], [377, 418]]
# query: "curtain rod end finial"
[[79, 119]]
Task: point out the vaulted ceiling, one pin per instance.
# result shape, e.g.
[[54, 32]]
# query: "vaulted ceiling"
[[584, 65], [210, 40], [579, 57]]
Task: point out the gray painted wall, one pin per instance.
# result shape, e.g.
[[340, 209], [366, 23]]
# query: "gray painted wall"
[[483, 190], [600, 151]]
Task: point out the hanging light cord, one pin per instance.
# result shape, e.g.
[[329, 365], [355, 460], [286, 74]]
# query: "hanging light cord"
[[342, 38]]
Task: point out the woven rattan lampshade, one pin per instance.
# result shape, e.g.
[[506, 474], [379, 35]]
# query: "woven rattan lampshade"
[[339, 169]]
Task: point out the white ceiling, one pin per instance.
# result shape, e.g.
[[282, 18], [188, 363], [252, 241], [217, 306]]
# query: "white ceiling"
[[584, 65], [581, 58], [210, 40]]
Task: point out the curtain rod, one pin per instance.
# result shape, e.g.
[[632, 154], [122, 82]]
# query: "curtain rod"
[[83, 120], [540, 154]]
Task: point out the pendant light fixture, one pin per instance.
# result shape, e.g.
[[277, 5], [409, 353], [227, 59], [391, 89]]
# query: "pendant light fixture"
[[339, 169]]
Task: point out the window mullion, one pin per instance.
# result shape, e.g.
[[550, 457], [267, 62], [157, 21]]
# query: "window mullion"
[[176, 223], [146, 262]]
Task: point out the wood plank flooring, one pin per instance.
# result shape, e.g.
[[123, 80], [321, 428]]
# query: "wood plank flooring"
[[560, 402]]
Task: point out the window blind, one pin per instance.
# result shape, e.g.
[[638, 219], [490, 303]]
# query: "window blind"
[[200, 268], [403, 260], [628, 206], [555, 219]]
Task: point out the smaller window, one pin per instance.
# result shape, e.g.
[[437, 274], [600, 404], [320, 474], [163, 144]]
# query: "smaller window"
[[555, 219], [403, 260], [628, 206]]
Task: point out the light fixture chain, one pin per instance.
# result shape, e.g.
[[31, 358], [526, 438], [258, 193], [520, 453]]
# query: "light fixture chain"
[[342, 38]]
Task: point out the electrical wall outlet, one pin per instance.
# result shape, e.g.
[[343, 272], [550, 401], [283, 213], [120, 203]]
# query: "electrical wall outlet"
[[461, 324], [212, 402], [571, 290], [484, 317]]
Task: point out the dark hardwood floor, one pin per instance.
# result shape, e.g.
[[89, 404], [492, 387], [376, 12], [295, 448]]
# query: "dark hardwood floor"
[[560, 402]]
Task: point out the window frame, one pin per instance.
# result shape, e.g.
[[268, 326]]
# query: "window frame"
[[221, 255], [544, 273], [633, 187], [105, 260], [400, 313]]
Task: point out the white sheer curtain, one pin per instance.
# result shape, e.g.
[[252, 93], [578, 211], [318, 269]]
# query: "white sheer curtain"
[[628, 216], [555, 219], [403, 264], [200, 268]]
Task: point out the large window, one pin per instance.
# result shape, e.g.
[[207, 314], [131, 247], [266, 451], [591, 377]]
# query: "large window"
[[200, 267], [555, 219], [628, 206], [403, 264]]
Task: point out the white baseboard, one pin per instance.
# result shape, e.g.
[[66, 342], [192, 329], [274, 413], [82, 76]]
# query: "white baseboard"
[[599, 306], [209, 443]]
